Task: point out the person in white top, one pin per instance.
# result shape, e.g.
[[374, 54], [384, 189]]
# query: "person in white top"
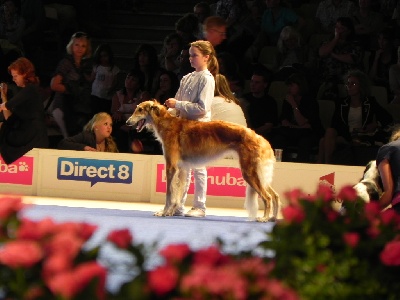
[[225, 106], [193, 101], [104, 76]]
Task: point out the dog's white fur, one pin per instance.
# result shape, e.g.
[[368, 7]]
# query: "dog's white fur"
[[369, 187], [188, 143]]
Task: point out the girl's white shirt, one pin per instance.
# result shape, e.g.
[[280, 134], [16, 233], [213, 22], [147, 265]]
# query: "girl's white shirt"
[[103, 81], [195, 95]]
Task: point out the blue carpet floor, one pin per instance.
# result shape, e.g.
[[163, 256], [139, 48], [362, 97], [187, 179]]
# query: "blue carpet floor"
[[237, 233]]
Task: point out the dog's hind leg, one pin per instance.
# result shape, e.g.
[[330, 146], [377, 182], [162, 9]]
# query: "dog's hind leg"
[[276, 204]]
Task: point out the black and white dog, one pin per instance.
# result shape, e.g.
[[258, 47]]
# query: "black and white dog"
[[369, 188]]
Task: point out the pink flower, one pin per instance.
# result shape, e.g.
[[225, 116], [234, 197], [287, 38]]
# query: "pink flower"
[[82, 230], [390, 255], [293, 214], [294, 196], [20, 253], [65, 243], [331, 215], [175, 253], [348, 193], [10, 205], [351, 238], [122, 238], [372, 210], [35, 230], [55, 264], [209, 256], [163, 279], [68, 284]]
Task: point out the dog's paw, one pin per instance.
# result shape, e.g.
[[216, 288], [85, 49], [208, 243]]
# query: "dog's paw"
[[159, 213], [262, 219]]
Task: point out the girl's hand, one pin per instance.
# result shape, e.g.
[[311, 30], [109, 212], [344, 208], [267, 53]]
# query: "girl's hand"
[[170, 103]]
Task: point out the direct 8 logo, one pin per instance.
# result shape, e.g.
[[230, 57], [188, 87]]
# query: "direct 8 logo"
[[94, 170]]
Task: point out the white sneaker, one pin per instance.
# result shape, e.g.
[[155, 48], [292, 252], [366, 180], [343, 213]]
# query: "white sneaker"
[[196, 213]]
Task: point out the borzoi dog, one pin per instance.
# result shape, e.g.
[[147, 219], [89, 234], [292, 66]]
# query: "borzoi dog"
[[188, 143]]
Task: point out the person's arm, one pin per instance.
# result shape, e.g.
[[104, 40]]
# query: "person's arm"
[[387, 182], [327, 48], [78, 142], [56, 84], [6, 113]]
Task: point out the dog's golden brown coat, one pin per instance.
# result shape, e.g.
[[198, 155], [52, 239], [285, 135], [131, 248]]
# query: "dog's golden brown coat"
[[188, 143]]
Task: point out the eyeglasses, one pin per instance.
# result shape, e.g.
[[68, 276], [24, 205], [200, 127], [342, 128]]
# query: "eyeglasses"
[[221, 33], [351, 83]]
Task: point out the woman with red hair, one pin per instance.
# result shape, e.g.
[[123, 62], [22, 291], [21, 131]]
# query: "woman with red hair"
[[24, 127]]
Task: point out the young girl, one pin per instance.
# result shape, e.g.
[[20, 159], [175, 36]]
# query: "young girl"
[[96, 136], [104, 76], [193, 101]]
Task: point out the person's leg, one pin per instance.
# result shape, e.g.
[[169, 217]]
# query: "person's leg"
[[58, 116], [200, 193], [329, 144]]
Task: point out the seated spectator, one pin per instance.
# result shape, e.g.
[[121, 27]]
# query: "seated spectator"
[[382, 59], [260, 109], [274, 19], [300, 126], [146, 61], [169, 55], [225, 106], [104, 76], [12, 23], [215, 31], [169, 85], [95, 136], [367, 24], [340, 54], [291, 50], [355, 120], [233, 11], [124, 103], [202, 11], [394, 79], [329, 11], [187, 27]]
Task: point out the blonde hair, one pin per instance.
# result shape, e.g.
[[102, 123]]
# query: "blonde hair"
[[395, 134], [223, 90], [287, 33], [77, 36], [206, 48], [110, 145]]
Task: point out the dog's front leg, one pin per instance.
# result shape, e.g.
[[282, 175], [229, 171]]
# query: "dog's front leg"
[[177, 188], [170, 174]]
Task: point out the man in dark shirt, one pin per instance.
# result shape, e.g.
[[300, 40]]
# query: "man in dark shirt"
[[261, 109]]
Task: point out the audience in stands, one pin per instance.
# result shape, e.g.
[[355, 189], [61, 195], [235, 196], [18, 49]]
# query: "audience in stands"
[[184, 63], [329, 11], [104, 77], [95, 136], [187, 27], [299, 123], [355, 120], [72, 86], [382, 59], [12, 24], [215, 31], [260, 109]]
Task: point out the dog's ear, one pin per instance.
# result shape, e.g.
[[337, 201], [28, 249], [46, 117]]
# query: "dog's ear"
[[155, 109]]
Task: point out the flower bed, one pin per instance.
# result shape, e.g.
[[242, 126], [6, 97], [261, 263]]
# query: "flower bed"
[[318, 254]]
